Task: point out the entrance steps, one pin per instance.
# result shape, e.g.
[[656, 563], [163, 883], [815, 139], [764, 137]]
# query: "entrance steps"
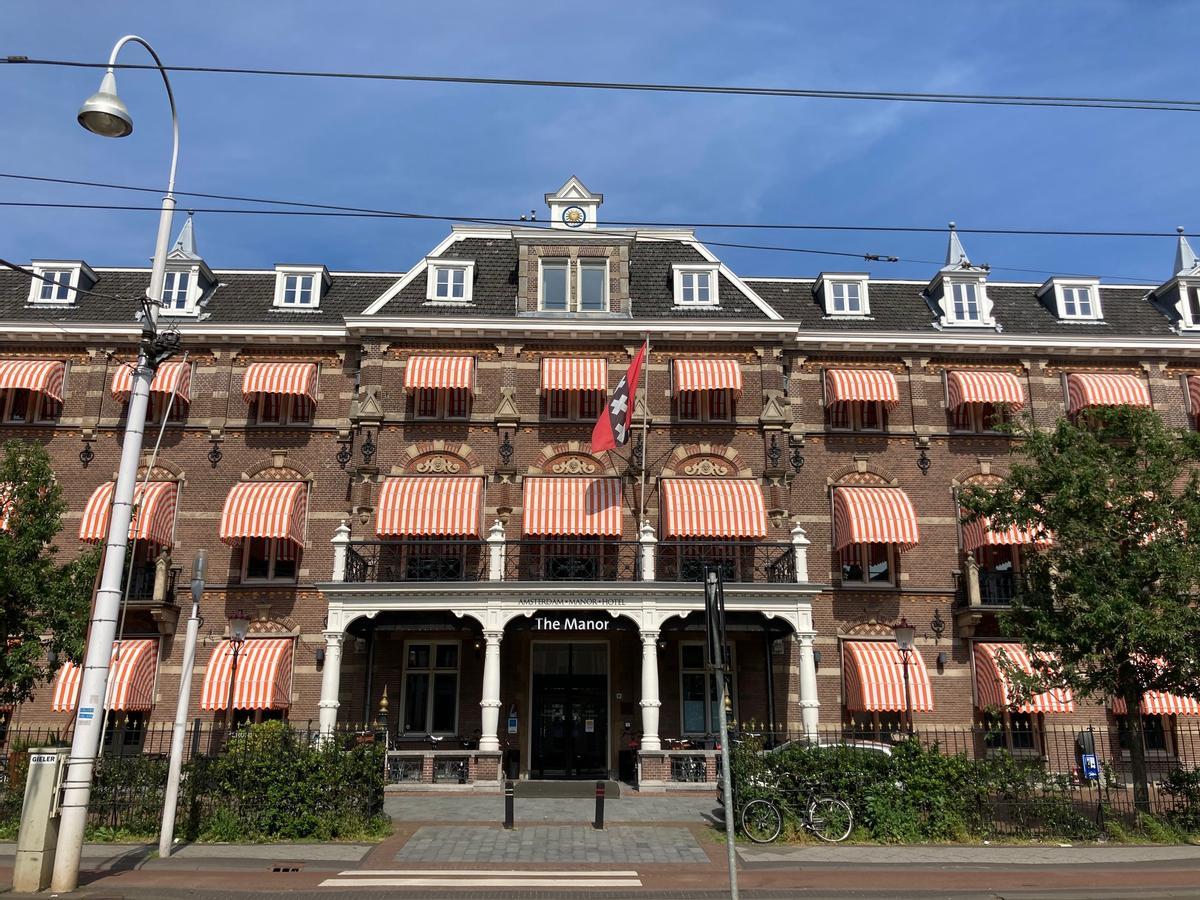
[[565, 790]]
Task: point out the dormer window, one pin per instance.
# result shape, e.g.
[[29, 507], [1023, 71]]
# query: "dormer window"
[[449, 280], [696, 285], [59, 282], [843, 295], [175, 290], [593, 285], [1191, 303], [299, 287], [965, 302], [554, 281], [1074, 299]]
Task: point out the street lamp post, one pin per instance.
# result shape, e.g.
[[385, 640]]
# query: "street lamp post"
[[905, 634], [105, 114], [239, 624]]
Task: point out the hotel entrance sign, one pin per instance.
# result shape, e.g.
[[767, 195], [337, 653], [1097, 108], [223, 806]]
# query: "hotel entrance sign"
[[562, 622]]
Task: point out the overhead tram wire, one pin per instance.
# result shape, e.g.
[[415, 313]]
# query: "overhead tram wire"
[[501, 220], [868, 257], [1123, 103]]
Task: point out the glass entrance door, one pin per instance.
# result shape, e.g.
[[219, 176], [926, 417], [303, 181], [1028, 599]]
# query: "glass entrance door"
[[570, 710]]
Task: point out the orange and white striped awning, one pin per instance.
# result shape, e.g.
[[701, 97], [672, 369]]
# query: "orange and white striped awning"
[[574, 374], [1090, 389], [707, 375], [992, 686], [171, 377], [713, 508], [153, 515], [874, 678], [1194, 394], [265, 509], [132, 668], [42, 376], [571, 505], [976, 386], [263, 679], [980, 534], [297, 379], [861, 386], [439, 372], [430, 506], [874, 515]]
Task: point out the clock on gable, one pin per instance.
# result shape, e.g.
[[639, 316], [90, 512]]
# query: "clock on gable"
[[574, 216]]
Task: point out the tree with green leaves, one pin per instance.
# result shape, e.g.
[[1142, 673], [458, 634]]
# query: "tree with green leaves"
[[1111, 594], [43, 603]]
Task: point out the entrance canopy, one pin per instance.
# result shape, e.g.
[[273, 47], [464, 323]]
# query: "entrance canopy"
[[132, 668], [874, 678], [992, 686], [263, 679]]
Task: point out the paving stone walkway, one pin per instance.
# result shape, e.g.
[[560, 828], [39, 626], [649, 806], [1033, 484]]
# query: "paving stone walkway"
[[552, 843], [489, 808]]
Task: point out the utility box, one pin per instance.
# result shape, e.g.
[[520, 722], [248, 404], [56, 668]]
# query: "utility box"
[[39, 820]]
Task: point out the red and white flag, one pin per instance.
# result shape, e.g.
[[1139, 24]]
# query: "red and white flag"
[[612, 428]]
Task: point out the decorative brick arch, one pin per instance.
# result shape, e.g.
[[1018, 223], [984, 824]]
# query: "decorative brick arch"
[[983, 473], [705, 461], [162, 470], [570, 458], [870, 628], [862, 472], [438, 457], [278, 468], [281, 626]]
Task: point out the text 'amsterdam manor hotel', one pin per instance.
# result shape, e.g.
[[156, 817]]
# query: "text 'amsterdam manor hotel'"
[[391, 475]]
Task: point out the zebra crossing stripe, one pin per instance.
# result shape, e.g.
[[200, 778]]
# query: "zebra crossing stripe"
[[482, 878]]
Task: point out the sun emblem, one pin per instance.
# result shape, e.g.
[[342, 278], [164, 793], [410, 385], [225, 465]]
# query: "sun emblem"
[[573, 216]]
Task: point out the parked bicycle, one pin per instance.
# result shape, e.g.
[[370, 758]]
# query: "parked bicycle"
[[827, 817]]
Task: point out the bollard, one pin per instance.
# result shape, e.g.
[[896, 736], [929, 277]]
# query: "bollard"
[[508, 805], [600, 789]]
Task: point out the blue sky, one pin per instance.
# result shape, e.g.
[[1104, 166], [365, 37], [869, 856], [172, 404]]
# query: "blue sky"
[[495, 151]]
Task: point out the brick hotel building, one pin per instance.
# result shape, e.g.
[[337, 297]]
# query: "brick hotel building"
[[391, 475]]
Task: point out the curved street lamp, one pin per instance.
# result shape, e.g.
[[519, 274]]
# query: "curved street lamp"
[[105, 114], [239, 627]]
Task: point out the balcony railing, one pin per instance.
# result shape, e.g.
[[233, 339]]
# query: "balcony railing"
[[566, 560], [995, 588], [141, 585]]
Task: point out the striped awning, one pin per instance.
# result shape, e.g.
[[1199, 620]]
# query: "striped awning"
[[574, 374], [974, 386], [291, 378], [992, 686], [980, 534], [132, 668], [42, 376], [713, 508], [874, 515], [430, 506], [265, 509], [1194, 393], [153, 515], [707, 375], [861, 386], [874, 678], [1156, 703], [263, 679], [439, 372], [1091, 389], [572, 505], [171, 377]]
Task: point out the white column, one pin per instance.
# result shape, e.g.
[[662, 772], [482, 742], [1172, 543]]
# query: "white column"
[[650, 702], [341, 545], [496, 549], [489, 737], [648, 541], [331, 682], [809, 705], [800, 544]]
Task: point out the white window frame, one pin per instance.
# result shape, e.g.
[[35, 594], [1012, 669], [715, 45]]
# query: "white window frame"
[[284, 273], [191, 295], [829, 286], [893, 559], [74, 272], [679, 270], [983, 305], [432, 670], [1061, 285], [709, 684], [272, 558], [1188, 289], [554, 262], [438, 265], [590, 262]]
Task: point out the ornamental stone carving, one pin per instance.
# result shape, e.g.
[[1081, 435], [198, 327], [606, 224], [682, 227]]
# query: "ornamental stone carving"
[[706, 467], [573, 465], [438, 465]]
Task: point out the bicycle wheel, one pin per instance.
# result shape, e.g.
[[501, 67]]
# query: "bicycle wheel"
[[830, 819], [761, 821]]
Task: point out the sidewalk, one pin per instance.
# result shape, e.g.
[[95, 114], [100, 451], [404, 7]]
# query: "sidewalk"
[[925, 855]]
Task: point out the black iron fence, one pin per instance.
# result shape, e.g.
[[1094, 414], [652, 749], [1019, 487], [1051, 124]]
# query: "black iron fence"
[[141, 584], [572, 560], [738, 561], [995, 588], [417, 560]]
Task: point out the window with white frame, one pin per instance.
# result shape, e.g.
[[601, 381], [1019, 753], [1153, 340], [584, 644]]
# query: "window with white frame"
[[177, 291], [269, 559], [868, 564], [19, 406], [553, 293], [704, 406], [846, 298], [1073, 299], [450, 280], [54, 286], [1190, 295], [698, 694], [593, 285], [280, 409], [964, 301], [1077, 302], [299, 288], [430, 701], [856, 416], [696, 285], [441, 403]]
